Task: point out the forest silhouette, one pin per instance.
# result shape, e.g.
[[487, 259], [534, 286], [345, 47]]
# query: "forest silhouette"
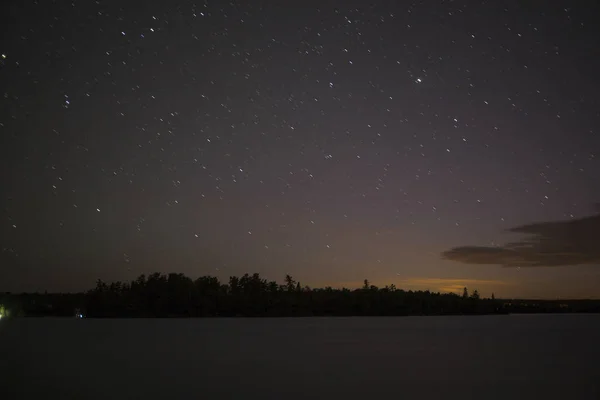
[[176, 295]]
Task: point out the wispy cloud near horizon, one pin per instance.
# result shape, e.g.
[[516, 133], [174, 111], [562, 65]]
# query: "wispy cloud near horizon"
[[555, 243]]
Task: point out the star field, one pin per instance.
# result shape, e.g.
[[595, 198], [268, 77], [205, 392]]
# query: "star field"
[[334, 141]]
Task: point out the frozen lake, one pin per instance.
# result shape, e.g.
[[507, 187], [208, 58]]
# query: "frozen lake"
[[483, 357]]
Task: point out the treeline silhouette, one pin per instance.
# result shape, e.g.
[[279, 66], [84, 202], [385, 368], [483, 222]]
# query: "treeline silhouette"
[[176, 295]]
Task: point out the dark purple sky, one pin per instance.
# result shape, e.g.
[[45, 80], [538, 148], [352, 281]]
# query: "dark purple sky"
[[331, 140]]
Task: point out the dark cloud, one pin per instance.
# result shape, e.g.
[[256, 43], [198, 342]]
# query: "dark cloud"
[[571, 242]]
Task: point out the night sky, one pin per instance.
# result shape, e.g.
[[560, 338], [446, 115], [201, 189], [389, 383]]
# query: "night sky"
[[432, 145]]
